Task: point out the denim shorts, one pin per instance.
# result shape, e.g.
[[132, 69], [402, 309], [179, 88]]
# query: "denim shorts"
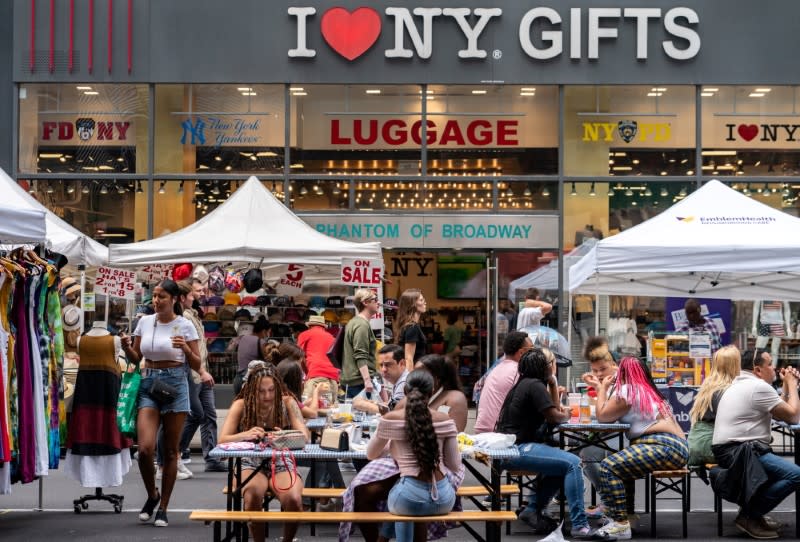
[[412, 497], [175, 377], [283, 463]]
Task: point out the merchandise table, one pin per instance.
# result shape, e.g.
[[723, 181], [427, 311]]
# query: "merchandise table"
[[314, 452]]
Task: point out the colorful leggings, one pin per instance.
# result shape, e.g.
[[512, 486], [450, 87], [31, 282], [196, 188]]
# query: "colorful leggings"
[[648, 453]]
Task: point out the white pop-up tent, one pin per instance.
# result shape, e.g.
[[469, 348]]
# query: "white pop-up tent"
[[252, 226], [546, 277], [59, 236], [715, 243], [18, 225]]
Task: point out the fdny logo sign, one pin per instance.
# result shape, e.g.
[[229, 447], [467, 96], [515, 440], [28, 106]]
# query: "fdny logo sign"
[[86, 129]]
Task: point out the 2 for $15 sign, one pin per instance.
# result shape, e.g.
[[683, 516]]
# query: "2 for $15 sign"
[[357, 272], [115, 282]]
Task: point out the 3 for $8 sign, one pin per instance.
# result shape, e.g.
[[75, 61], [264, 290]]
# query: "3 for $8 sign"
[[115, 282], [359, 272]]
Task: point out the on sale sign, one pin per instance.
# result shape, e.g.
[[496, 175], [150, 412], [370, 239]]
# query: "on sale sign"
[[358, 272], [156, 272], [291, 281], [115, 282]]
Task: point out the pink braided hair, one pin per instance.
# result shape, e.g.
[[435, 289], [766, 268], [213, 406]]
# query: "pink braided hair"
[[639, 392]]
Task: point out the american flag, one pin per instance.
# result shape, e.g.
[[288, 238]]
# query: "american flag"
[[772, 311]]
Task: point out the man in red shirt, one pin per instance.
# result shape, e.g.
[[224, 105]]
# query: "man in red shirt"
[[316, 342]]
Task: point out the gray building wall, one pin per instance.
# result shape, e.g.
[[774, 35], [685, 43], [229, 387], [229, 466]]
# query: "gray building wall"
[[8, 130]]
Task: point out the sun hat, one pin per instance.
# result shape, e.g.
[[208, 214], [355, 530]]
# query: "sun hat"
[[315, 320], [70, 318]]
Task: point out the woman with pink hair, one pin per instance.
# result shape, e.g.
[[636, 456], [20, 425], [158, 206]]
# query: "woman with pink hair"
[[656, 440]]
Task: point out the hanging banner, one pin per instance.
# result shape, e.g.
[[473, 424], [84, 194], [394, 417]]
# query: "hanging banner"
[[291, 281], [87, 302], [357, 272], [155, 273], [115, 282]]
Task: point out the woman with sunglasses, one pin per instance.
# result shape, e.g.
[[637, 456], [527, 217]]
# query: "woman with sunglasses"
[[263, 406]]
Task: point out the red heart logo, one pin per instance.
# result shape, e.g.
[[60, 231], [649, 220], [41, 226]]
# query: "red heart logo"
[[351, 34], [747, 131]]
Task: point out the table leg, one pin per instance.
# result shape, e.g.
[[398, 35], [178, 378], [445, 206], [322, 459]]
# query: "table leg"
[[797, 492], [493, 528]]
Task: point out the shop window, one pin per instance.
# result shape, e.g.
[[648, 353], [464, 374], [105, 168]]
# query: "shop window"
[[461, 195], [356, 129], [320, 195], [527, 195], [595, 209], [629, 130], [83, 129], [110, 211], [488, 130], [750, 131], [778, 195], [236, 128]]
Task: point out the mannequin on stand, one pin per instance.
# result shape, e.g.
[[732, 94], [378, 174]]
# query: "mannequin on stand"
[[97, 455]]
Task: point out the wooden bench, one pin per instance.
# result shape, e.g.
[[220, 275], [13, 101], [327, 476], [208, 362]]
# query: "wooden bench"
[[661, 481], [216, 517]]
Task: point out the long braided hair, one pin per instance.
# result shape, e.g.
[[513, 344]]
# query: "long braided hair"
[[257, 371], [419, 422]]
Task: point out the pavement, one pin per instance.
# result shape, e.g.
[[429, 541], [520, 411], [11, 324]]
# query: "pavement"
[[20, 519]]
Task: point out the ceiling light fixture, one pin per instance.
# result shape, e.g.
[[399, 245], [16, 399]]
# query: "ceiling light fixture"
[[574, 191], [545, 191], [139, 187], [591, 191], [610, 191], [683, 192], [629, 192], [527, 192], [85, 189], [162, 189], [103, 188], [71, 188], [180, 188]]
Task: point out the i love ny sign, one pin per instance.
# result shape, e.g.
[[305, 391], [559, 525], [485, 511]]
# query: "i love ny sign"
[[351, 34]]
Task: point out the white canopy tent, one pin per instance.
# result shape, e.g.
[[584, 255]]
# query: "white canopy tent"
[[59, 236], [715, 243], [252, 226], [546, 277], [18, 226]]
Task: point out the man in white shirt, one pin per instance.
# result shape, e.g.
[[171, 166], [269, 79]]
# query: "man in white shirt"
[[393, 370], [500, 381], [745, 415]]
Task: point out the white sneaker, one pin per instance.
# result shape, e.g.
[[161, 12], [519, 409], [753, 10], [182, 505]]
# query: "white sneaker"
[[620, 531], [183, 471], [159, 473]]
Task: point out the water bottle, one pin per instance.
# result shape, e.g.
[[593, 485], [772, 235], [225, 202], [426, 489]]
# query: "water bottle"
[[585, 408]]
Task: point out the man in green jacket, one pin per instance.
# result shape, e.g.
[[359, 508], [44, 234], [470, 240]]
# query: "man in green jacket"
[[358, 365]]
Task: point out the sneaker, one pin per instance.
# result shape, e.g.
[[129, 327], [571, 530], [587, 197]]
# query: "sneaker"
[[539, 523], [186, 457], [216, 466], [618, 530], [333, 505], [755, 528], [159, 473], [161, 518], [596, 512], [587, 533], [147, 510], [183, 471]]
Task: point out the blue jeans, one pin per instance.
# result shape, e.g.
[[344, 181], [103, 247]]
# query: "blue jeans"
[[202, 415], [784, 479], [353, 390], [412, 497], [553, 465]]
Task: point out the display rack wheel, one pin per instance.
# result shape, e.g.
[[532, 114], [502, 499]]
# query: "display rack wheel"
[[117, 508], [77, 509], [85, 505]]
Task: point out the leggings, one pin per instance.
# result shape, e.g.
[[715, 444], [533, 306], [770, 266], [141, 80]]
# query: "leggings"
[[645, 454]]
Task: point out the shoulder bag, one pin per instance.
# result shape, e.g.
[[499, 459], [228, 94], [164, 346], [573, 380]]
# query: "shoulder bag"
[[336, 351]]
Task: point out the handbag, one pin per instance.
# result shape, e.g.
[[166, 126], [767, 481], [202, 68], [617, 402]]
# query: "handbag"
[[700, 437], [287, 439], [126, 402], [290, 466], [161, 392], [335, 440], [336, 351]]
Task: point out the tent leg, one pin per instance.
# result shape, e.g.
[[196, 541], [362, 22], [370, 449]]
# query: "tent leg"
[[83, 289]]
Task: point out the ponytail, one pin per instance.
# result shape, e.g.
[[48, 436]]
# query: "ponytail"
[[419, 422]]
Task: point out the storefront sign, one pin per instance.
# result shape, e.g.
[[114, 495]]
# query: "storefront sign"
[[398, 132], [540, 31], [753, 133], [291, 280], [88, 130], [115, 282], [224, 131], [359, 272], [627, 131], [442, 231]]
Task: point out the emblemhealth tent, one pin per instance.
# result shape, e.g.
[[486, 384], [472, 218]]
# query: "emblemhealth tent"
[[252, 226], [59, 236], [715, 243], [546, 277]]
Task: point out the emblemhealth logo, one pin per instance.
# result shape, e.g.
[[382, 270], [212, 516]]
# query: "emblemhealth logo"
[[727, 220], [628, 131], [685, 219]]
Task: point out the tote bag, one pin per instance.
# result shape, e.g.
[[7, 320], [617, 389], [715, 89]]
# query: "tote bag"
[[126, 403], [336, 351]]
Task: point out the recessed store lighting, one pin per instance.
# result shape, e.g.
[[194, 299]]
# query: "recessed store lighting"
[[756, 95], [658, 89], [427, 92], [84, 87], [763, 90], [91, 92], [527, 94], [706, 94], [299, 93], [296, 89], [373, 91], [654, 94], [528, 89], [249, 94], [244, 89], [710, 89], [479, 92], [622, 168]]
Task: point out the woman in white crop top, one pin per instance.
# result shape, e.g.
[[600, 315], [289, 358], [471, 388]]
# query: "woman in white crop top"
[[656, 440], [168, 344], [420, 440]]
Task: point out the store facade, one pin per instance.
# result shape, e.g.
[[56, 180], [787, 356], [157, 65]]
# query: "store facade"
[[453, 133]]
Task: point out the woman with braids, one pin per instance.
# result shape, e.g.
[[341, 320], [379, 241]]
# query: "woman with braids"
[[165, 342], [530, 408], [260, 407], [726, 367], [420, 440], [407, 330], [656, 440]]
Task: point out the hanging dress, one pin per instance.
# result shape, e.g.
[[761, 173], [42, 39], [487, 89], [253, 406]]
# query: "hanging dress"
[[97, 455]]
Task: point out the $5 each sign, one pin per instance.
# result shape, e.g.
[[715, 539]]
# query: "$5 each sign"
[[115, 282]]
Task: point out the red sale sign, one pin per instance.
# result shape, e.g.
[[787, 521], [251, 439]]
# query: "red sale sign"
[[115, 282], [362, 272], [291, 281], [156, 272]]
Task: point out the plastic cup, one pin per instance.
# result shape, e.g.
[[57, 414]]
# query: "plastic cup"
[[346, 407], [574, 402]]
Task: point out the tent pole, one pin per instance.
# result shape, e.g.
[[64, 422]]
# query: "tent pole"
[[83, 289], [596, 303], [569, 332]]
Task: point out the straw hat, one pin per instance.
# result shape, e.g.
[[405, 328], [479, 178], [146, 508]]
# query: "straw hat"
[[315, 320], [71, 318]]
